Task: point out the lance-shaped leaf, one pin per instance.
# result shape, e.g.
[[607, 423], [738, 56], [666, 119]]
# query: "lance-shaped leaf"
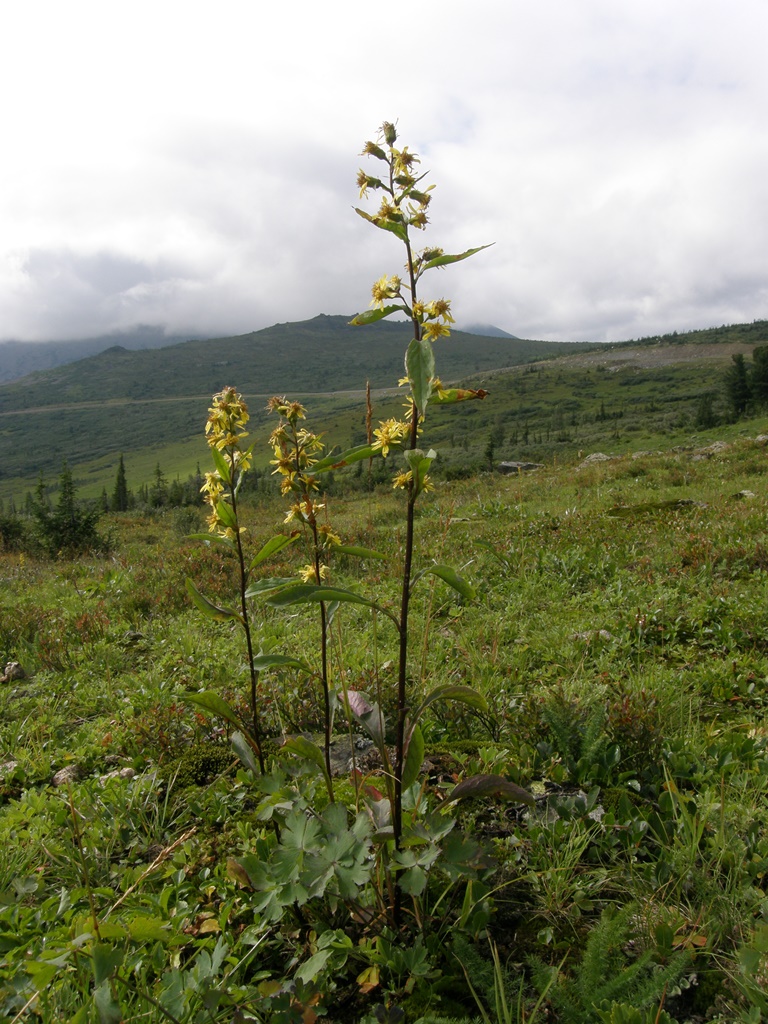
[[448, 396], [213, 611], [489, 785], [273, 545], [370, 316], [243, 747], [262, 662], [340, 459], [222, 465], [395, 226], [213, 538], [414, 757], [449, 576], [351, 549], [214, 705], [305, 593], [420, 369], [226, 514], [464, 694], [445, 259], [268, 585]]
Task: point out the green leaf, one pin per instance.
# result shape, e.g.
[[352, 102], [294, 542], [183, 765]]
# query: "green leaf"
[[213, 611], [349, 549], [109, 1011], [242, 748], [413, 758], [309, 971], [302, 746], [341, 459], [463, 694], [420, 370], [214, 705], [445, 259], [222, 465], [489, 785], [262, 662], [447, 396], [213, 538], [106, 959], [396, 227], [303, 593], [370, 316], [265, 586], [452, 578], [226, 514], [148, 929], [272, 546], [419, 464]]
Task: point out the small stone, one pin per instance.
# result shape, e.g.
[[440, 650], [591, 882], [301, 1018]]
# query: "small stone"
[[743, 496], [70, 773], [13, 671]]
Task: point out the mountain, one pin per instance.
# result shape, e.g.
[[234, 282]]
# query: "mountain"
[[488, 331], [320, 355], [19, 358]]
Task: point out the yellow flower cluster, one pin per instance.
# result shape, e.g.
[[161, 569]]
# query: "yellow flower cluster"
[[388, 434], [227, 418], [308, 574], [385, 288], [225, 431]]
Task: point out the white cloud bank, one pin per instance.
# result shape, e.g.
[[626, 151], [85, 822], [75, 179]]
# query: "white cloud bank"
[[193, 167]]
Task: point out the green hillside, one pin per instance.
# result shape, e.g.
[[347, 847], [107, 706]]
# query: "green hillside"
[[547, 401]]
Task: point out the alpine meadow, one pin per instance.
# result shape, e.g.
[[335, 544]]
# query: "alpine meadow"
[[369, 670]]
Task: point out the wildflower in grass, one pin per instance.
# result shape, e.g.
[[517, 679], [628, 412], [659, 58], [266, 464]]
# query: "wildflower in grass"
[[403, 479]]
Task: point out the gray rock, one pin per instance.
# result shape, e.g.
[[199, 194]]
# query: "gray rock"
[[70, 773], [13, 671]]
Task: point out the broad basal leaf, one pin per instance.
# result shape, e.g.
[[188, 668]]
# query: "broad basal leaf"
[[489, 785]]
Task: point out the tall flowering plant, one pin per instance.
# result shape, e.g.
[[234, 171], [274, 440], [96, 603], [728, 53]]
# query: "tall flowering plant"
[[402, 211]]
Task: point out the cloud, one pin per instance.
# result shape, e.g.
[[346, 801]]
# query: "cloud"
[[200, 175]]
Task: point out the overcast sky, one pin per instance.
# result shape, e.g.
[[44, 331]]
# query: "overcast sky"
[[192, 165]]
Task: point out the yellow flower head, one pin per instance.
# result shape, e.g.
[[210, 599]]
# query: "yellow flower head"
[[385, 288], [309, 575], [389, 433], [433, 331], [227, 418], [440, 309], [403, 479]]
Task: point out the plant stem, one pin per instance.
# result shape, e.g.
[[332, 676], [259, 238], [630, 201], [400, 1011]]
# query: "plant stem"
[[255, 723]]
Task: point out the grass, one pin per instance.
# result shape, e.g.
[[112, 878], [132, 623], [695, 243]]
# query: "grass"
[[622, 646]]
